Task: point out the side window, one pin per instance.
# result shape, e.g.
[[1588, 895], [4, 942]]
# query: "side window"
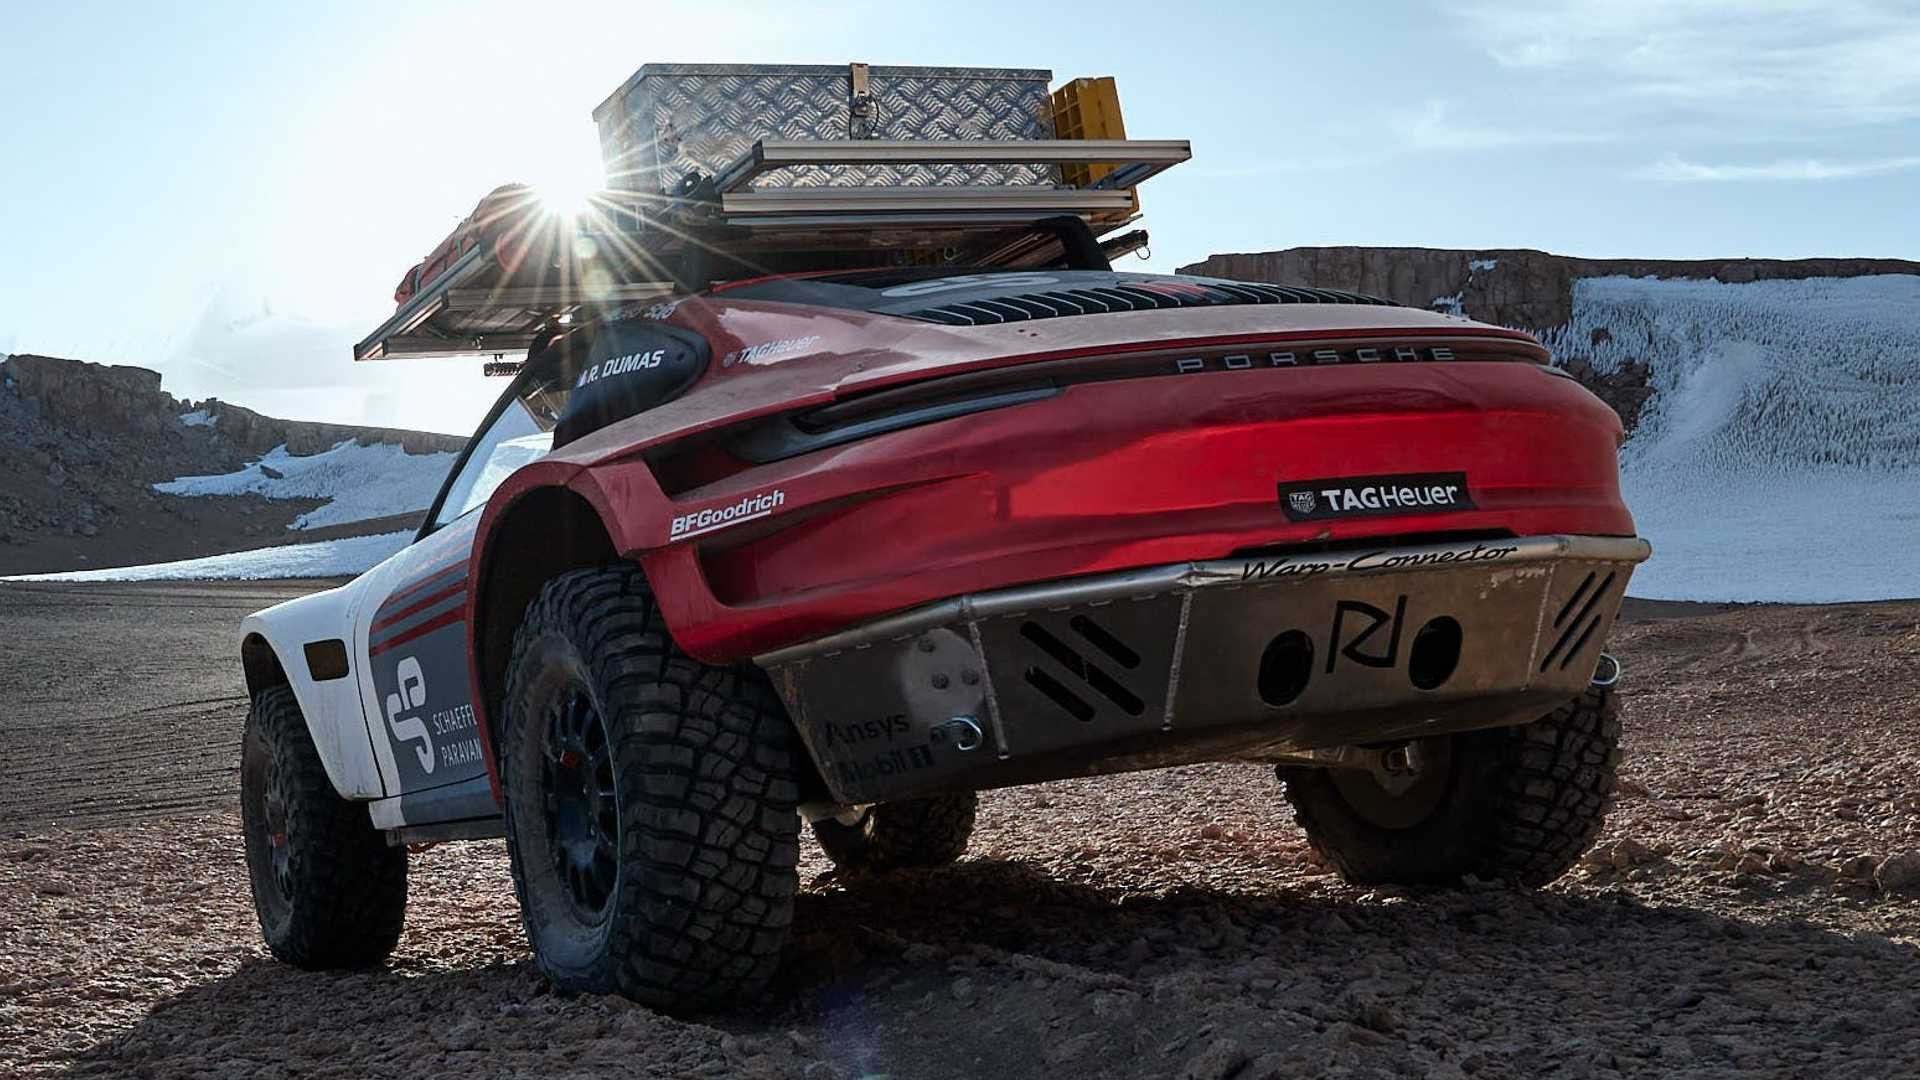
[[515, 438]]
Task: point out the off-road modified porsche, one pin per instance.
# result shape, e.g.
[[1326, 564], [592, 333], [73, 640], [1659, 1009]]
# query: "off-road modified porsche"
[[841, 477]]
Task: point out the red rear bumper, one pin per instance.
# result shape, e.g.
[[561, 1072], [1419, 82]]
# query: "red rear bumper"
[[1115, 475]]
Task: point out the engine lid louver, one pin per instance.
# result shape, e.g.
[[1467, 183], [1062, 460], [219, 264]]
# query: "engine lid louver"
[[1152, 296]]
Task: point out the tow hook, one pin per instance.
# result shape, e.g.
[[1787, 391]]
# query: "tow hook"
[[1607, 671], [962, 733]]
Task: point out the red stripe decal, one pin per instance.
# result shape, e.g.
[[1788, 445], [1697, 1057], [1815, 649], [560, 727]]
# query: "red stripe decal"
[[417, 606], [424, 580], [458, 614]]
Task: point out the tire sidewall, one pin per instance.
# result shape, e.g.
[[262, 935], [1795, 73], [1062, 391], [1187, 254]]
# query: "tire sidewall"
[[571, 951], [257, 752], [348, 886], [1432, 850], [706, 796], [1475, 828]]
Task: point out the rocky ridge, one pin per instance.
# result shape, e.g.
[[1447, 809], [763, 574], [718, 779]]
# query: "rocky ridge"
[[102, 399], [85, 443], [1519, 287]]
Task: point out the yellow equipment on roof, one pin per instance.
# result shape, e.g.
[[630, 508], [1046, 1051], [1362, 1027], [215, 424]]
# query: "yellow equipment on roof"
[[1090, 109]]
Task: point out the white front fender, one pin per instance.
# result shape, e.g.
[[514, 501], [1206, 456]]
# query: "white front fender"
[[329, 699]]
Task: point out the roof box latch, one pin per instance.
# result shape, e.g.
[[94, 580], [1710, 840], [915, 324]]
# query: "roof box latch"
[[863, 113]]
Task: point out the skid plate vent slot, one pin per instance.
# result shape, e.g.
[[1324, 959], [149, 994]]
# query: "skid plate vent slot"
[[1579, 618], [1090, 678]]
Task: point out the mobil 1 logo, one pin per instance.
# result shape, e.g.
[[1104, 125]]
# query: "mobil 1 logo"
[[1373, 496]]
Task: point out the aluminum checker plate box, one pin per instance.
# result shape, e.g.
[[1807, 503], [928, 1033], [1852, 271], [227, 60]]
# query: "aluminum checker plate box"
[[1234, 658], [671, 119]]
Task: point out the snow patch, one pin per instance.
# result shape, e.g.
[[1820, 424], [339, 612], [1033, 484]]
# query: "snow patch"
[[327, 558], [1482, 264], [199, 418], [359, 482], [1779, 458]]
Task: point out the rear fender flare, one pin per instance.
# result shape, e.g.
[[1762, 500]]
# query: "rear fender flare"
[[549, 517]]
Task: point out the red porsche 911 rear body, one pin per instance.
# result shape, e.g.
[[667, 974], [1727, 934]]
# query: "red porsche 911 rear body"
[[988, 515], [995, 528]]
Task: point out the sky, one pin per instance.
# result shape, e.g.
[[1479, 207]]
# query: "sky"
[[228, 192]]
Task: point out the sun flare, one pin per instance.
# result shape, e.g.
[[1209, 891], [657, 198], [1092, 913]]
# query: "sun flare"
[[569, 197], [567, 183]]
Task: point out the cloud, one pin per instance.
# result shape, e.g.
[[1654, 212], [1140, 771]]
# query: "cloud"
[[1678, 170], [1431, 128], [1850, 61], [243, 351], [1288, 167]]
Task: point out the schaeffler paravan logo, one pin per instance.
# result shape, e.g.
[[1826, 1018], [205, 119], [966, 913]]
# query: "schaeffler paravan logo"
[[406, 716]]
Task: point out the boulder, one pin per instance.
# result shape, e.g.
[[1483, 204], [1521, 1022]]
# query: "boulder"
[[1899, 874]]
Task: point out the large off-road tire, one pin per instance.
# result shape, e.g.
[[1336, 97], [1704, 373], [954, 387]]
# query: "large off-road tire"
[[651, 801], [910, 833], [328, 888], [1518, 804]]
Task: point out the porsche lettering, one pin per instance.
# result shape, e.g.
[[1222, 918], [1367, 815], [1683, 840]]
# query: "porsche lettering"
[[1371, 354]]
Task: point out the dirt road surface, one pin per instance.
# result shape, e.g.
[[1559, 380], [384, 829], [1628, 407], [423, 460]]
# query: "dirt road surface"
[[1753, 908]]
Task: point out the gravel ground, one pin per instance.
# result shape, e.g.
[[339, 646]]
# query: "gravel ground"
[[1752, 909]]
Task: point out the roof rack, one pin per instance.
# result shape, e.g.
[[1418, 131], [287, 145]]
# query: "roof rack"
[[528, 276], [1134, 160]]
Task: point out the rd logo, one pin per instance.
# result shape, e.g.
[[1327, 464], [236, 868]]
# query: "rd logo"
[[1356, 626]]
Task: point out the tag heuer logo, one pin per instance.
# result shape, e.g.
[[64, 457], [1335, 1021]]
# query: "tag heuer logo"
[[1371, 496]]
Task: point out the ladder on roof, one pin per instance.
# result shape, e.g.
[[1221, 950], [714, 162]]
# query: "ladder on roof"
[[632, 247]]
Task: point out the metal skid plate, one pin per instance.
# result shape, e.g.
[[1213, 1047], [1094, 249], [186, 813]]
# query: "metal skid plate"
[[1104, 663], [1245, 657], [878, 718]]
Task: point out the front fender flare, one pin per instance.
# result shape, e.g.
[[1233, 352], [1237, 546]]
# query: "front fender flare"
[[331, 706]]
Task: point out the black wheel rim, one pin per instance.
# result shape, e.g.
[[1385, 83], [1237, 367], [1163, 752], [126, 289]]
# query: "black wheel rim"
[[273, 819], [583, 822]]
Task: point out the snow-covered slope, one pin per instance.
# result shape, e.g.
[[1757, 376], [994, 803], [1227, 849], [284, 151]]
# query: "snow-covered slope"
[[360, 482], [1779, 458], [328, 558]]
